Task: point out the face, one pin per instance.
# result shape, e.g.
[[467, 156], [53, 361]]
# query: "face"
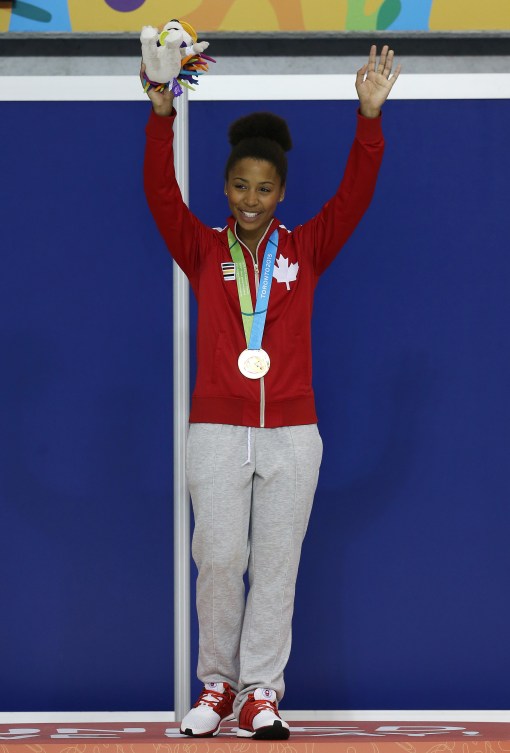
[[176, 26], [253, 189]]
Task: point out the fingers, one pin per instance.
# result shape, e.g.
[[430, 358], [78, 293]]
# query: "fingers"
[[382, 59], [385, 64], [360, 75], [395, 75], [388, 63], [372, 58]]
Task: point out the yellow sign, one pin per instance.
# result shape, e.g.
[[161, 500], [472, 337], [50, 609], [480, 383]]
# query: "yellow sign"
[[256, 15]]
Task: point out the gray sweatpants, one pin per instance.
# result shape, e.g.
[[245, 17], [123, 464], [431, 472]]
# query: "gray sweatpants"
[[252, 493]]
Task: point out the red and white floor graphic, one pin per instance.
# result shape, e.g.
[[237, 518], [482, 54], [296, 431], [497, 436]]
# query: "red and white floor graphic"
[[305, 737]]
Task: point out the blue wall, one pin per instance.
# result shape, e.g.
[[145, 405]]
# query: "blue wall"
[[86, 382], [401, 599]]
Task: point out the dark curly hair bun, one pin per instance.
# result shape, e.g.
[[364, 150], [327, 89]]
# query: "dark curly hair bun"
[[261, 125], [261, 136]]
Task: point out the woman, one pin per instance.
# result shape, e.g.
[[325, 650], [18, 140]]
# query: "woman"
[[254, 450]]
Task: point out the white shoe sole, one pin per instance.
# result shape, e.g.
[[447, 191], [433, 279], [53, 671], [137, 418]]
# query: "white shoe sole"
[[210, 733]]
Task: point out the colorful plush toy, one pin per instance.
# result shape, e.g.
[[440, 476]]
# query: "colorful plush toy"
[[173, 57]]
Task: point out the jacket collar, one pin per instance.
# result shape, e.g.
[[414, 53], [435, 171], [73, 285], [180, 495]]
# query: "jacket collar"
[[275, 223]]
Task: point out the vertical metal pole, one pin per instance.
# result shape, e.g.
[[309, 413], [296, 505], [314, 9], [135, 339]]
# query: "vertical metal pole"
[[181, 413]]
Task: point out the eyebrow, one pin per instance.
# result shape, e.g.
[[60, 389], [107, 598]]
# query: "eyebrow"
[[262, 182]]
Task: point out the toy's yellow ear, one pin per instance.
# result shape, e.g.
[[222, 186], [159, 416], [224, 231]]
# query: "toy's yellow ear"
[[190, 30]]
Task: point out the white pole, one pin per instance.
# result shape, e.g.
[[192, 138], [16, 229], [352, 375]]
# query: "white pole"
[[181, 413]]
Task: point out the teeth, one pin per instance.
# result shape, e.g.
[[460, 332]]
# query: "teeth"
[[250, 214]]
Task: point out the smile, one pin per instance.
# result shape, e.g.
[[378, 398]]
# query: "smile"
[[249, 215]]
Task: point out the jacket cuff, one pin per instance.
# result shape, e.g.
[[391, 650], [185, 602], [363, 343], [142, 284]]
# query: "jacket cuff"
[[159, 126], [369, 129]]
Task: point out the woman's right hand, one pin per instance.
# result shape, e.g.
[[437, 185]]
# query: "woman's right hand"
[[162, 102]]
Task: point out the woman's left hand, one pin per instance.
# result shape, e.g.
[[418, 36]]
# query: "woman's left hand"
[[373, 89]]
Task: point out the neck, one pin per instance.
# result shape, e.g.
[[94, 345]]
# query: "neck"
[[250, 240], [250, 243]]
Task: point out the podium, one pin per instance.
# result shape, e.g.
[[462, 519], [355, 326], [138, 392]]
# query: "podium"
[[306, 737]]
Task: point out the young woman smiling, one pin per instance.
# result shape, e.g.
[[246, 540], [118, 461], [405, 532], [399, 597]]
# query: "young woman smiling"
[[254, 450], [253, 193]]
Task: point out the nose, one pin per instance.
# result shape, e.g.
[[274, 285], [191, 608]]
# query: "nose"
[[251, 199]]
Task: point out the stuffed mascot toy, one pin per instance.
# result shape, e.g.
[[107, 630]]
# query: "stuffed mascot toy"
[[173, 56]]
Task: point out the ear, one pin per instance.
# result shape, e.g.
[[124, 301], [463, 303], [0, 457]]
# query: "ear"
[[282, 195], [225, 188]]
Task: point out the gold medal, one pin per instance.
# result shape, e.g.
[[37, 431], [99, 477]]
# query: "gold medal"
[[254, 364]]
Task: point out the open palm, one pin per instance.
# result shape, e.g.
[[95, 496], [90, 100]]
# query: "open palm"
[[374, 82]]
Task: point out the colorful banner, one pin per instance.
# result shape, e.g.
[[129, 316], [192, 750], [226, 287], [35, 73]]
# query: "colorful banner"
[[262, 15]]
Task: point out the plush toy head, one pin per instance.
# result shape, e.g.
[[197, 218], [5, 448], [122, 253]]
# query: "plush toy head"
[[189, 35]]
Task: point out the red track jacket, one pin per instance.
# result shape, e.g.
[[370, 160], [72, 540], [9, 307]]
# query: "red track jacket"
[[284, 397]]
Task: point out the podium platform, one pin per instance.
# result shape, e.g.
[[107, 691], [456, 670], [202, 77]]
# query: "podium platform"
[[305, 737]]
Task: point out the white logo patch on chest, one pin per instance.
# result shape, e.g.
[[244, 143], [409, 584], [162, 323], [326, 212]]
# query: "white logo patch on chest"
[[228, 269], [285, 272]]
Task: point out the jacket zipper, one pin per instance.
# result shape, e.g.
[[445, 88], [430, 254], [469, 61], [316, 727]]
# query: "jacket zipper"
[[262, 385], [256, 269]]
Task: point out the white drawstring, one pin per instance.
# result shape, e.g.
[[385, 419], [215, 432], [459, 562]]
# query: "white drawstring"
[[248, 459]]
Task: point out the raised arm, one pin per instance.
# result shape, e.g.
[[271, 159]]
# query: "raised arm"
[[327, 232], [182, 232]]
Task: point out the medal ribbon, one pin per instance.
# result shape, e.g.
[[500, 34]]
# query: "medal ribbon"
[[254, 321]]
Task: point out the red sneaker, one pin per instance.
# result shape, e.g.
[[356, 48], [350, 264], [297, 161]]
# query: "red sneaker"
[[214, 705], [259, 717]]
